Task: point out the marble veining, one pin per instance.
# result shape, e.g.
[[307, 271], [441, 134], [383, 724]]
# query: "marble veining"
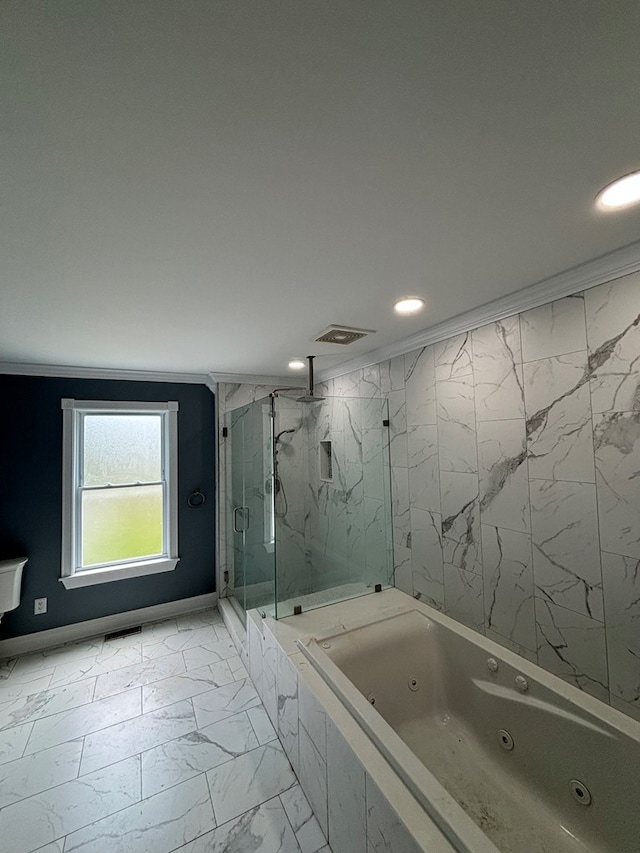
[[199, 750], [385, 831], [313, 776], [133, 736], [554, 329], [204, 772], [559, 426], [346, 794], [400, 506], [13, 742], [508, 585], [572, 646], [63, 809], [424, 470], [34, 773], [222, 702], [457, 425], [370, 382], [621, 578], [22, 709], [613, 335], [263, 829], [160, 823], [566, 550], [617, 453], [453, 358], [306, 827], [504, 485], [426, 557], [420, 387], [249, 780], [497, 368], [84, 720], [287, 710], [464, 596], [515, 452], [461, 520]]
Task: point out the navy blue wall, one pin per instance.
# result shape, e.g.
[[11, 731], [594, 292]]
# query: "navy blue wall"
[[31, 499]]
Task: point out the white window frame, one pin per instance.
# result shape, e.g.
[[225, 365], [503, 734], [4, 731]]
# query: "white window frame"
[[72, 575]]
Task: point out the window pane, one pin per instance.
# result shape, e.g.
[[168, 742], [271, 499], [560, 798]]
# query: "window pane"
[[122, 449], [120, 524]]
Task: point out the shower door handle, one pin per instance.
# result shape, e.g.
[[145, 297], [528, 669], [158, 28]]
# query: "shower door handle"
[[245, 519]]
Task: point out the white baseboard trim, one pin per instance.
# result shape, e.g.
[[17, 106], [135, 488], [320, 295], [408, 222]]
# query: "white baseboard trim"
[[104, 625]]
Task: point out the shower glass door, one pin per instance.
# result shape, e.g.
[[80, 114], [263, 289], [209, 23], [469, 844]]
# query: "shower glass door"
[[333, 501], [250, 531]]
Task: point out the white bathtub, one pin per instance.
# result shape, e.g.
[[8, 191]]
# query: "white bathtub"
[[501, 755]]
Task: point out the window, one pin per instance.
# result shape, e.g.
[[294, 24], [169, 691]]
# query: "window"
[[119, 501]]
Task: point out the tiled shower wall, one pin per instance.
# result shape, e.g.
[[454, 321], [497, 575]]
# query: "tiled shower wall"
[[515, 465], [348, 519], [515, 454]]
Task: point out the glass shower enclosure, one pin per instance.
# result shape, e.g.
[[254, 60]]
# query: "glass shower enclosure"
[[307, 502]]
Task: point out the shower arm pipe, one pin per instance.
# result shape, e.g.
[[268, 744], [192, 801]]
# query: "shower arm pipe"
[[275, 391], [310, 396], [310, 374]]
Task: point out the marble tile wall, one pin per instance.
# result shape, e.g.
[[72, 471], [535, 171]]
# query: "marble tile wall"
[[515, 454], [515, 463]]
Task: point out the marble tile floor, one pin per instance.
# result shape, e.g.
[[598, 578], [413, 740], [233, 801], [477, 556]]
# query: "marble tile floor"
[[150, 743]]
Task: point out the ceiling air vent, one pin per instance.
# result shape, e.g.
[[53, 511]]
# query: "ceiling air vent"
[[342, 335]]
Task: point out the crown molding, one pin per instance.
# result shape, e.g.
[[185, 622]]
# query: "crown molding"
[[609, 267], [257, 379], [60, 371]]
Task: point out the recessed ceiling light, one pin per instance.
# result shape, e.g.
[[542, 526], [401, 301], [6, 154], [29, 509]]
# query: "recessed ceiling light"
[[621, 193], [297, 364], [409, 305]]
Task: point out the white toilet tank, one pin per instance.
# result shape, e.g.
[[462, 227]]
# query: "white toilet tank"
[[10, 583]]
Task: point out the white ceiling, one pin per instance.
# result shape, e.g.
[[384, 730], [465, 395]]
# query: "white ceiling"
[[205, 186]]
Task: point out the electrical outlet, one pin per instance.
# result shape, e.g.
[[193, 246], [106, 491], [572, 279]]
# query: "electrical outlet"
[[39, 606]]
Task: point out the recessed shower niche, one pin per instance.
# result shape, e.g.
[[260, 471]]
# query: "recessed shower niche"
[[326, 461], [308, 502]]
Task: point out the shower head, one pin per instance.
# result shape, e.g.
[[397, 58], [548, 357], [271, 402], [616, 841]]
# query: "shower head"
[[309, 398]]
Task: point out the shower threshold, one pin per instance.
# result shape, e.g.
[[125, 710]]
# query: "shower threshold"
[[322, 598]]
